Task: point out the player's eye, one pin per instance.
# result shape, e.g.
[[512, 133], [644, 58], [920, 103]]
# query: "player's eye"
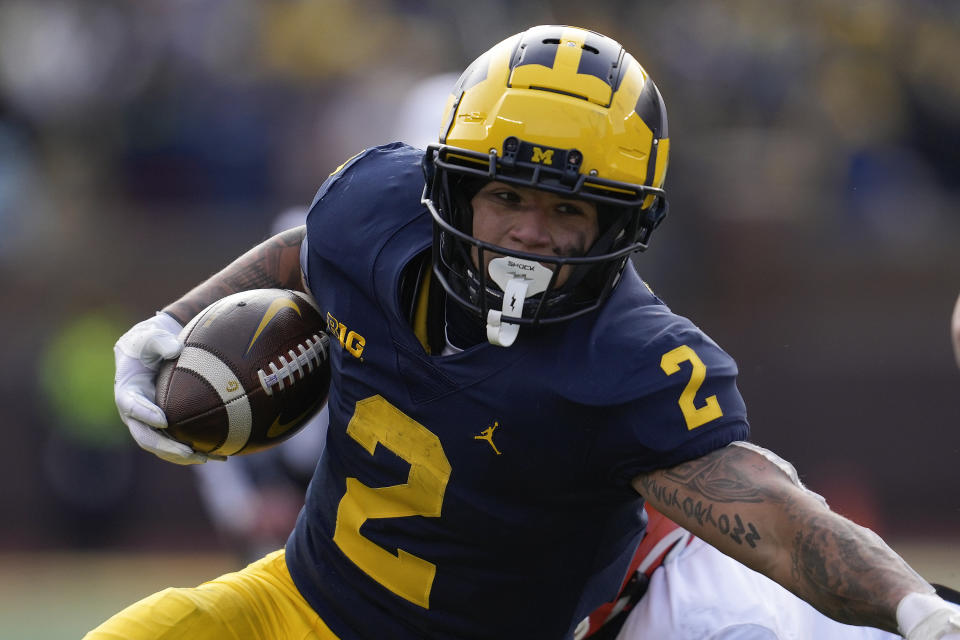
[[571, 209], [507, 196]]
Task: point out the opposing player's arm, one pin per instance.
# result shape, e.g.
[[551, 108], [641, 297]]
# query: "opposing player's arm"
[[274, 263], [748, 503]]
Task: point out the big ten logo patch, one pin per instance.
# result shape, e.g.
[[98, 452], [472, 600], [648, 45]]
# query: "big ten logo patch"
[[352, 341]]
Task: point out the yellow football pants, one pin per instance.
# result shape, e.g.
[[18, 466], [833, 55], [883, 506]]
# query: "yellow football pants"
[[258, 602]]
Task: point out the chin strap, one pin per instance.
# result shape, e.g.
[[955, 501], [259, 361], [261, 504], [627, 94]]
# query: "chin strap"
[[518, 279]]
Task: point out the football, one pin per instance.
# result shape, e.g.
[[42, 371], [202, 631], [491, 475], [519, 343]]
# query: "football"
[[253, 371]]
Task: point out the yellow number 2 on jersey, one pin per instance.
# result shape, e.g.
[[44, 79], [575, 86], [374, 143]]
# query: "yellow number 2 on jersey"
[[376, 421], [694, 415]]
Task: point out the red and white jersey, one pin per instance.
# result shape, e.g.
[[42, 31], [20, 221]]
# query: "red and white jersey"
[[663, 538], [695, 592]]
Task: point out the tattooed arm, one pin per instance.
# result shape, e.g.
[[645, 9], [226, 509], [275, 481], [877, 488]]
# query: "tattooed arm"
[[139, 352], [272, 263], [749, 504]]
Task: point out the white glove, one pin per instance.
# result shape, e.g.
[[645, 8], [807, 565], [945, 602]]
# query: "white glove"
[[138, 355], [925, 616]]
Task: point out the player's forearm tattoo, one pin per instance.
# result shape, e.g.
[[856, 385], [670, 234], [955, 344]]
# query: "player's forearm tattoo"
[[732, 525], [273, 263], [697, 486], [841, 568], [848, 572], [722, 476]]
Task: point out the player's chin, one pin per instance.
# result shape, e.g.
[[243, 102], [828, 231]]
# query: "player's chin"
[[564, 274]]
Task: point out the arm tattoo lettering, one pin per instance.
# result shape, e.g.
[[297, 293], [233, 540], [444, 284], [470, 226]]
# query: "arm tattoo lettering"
[[767, 520], [739, 530], [698, 486], [702, 511]]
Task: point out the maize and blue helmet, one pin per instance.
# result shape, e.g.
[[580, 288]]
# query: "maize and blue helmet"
[[561, 109]]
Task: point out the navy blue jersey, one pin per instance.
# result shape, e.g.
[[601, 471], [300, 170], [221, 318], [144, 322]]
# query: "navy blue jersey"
[[484, 494]]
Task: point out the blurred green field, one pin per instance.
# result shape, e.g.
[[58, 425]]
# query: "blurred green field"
[[60, 596]]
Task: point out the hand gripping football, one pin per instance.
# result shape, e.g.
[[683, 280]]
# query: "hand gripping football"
[[253, 370]]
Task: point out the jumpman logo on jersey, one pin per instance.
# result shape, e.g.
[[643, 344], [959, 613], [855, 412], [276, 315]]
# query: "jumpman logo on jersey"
[[487, 434]]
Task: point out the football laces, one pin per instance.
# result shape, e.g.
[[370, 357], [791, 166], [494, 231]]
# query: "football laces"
[[291, 365]]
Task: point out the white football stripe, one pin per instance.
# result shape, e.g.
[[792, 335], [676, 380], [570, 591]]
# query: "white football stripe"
[[216, 372]]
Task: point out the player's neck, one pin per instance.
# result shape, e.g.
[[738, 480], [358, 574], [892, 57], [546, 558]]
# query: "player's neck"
[[461, 327], [441, 325]]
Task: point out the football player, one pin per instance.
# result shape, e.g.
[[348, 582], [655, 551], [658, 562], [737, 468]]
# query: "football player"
[[506, 391]]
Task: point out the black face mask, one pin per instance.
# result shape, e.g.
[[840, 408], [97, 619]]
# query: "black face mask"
[[453, 177]]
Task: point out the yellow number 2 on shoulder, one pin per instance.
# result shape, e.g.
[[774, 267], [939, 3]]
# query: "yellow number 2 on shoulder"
[[694, 415]]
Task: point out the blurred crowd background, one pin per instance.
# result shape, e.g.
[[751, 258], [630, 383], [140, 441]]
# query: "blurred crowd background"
[[814, 227]]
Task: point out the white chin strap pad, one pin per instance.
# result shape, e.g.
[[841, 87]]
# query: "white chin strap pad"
[[518, 279]]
